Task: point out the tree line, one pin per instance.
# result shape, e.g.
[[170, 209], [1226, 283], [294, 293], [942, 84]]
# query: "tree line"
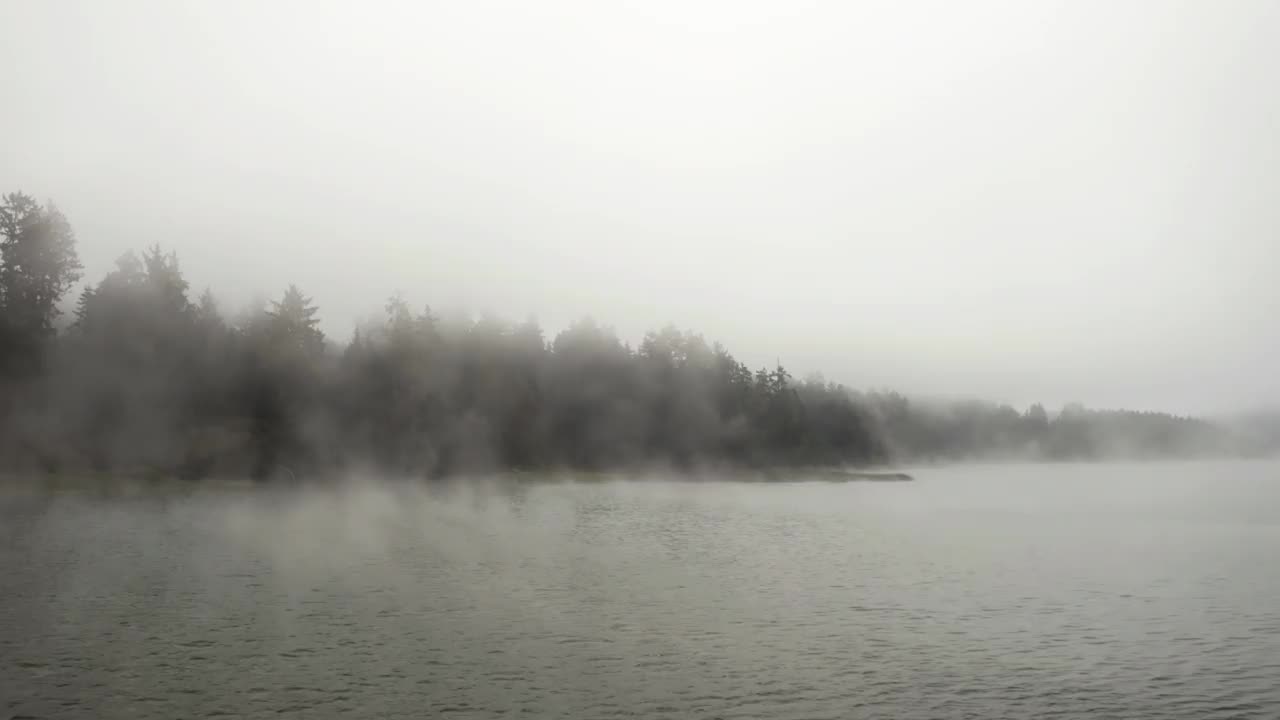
[[144, 377]]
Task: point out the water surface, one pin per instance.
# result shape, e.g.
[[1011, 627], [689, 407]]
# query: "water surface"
[[1074, 591]]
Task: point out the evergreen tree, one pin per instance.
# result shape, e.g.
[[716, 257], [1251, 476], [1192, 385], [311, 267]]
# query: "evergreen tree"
[[146, 380], [38, 265]]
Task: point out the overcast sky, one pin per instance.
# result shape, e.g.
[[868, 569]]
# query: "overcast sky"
[[1017, 200]]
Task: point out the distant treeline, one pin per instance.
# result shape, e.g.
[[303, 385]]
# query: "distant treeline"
[[144, 378]]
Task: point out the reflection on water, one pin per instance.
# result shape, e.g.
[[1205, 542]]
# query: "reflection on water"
[[1132, 591]]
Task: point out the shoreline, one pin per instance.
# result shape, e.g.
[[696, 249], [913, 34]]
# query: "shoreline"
[[126, 484]]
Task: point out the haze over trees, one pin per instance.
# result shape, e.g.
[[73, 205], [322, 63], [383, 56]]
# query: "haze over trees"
[[147, 377]]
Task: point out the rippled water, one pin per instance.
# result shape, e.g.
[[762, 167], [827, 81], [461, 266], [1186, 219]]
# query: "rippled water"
[[1140, 591]]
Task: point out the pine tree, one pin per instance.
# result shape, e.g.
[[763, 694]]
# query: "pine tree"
[[38, 265], [293, 325]]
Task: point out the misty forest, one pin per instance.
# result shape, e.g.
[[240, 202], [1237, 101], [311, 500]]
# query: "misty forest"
[[146, 377]]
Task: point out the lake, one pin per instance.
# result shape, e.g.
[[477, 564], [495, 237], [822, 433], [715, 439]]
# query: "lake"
[[1015, 591]]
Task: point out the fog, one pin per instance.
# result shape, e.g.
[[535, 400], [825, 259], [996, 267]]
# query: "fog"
[[977, 591], [367, 532], [423, 359], [1018, 201]]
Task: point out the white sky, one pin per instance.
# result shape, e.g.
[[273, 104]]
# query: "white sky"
[[1018, 200]]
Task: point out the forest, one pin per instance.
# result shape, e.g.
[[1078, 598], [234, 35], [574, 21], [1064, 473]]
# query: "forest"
[[144, 376]]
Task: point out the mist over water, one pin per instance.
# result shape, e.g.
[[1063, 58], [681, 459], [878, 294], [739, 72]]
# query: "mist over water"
[[482, 359], [1131, 591]]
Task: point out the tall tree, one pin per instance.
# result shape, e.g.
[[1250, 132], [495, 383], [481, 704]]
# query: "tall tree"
[[293, 324], [38, 265]]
